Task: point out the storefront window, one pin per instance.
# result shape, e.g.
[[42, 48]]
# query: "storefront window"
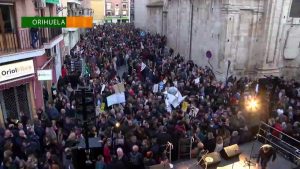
[[9, 99], [15, 100]]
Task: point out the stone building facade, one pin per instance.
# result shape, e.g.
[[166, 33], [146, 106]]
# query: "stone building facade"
[[258, 37]]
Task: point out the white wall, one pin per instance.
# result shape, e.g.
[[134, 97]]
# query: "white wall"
[[154, 20], [58, 63], [257, 36], [140, 14]]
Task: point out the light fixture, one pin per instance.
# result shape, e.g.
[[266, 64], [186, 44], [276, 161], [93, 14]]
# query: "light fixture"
[[252, 104]]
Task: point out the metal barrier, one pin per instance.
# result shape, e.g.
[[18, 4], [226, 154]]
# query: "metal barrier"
[[282, 142], [17, 41]]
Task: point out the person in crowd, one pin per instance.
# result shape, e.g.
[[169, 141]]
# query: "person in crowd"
[[210, 143], [219, 144], [106, 151], [148, 160], [100, 164], [136, 158]]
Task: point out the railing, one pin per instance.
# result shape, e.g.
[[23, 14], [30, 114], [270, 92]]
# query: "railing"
[[17, 41], [282, 142], [50, 34], [21, 40]]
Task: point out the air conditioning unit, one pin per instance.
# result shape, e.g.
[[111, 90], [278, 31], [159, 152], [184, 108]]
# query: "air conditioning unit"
[[38, 4]]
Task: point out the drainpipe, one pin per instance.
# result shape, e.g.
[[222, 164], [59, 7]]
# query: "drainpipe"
[[162, 22], [191, 29]]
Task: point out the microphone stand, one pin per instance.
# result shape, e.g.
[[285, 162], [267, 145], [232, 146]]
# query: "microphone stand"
[[248, 162]]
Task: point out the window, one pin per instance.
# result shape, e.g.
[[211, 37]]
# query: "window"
[[124, 6], [117, 5], [7, 17], [108, 13], [124, 12], [117, 12], [295, 9], [16, 100], [108, 6]]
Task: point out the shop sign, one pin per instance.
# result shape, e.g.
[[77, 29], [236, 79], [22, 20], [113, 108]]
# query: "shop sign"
[[44, 74], [52, 1], [15, 70]]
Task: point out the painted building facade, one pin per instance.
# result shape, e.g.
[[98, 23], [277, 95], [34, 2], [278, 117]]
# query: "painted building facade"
[[99, 11], [21, 57], [117, 11]]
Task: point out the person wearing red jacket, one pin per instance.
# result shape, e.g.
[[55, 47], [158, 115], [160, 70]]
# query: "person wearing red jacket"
[[64, 71], [106, 152]]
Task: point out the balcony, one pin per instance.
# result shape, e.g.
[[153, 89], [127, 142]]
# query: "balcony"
[[16, 41], [20, 41], [49, 34]]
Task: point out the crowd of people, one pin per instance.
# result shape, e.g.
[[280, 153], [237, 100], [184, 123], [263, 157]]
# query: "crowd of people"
[[213, 112]]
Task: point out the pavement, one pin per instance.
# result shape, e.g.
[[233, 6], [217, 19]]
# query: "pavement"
[[236, 163]]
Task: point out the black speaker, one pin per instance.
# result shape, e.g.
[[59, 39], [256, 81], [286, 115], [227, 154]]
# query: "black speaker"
[[89, 102], [210, 160], [230, 151], [79, 154]]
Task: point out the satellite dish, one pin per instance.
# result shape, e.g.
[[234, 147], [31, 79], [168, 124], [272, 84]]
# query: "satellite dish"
[[208, 54]]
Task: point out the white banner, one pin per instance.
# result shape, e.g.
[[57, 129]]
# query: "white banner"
[[117, 98], [15, 70], [143, 66]]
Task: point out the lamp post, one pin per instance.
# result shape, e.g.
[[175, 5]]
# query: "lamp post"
[[117, 125]]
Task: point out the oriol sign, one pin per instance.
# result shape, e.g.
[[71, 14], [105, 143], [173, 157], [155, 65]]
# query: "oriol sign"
[[15, 70], [44, 74]]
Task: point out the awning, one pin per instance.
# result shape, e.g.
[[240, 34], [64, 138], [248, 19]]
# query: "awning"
[[6, 3], [16, 82]]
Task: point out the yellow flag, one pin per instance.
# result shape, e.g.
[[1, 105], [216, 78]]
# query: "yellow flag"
[[102, 107], [184, 106]]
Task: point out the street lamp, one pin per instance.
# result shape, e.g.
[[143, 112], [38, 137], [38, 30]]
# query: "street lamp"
[[117, 125]]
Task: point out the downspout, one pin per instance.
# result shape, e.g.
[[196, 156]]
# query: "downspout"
[[191, 29], [162, 21]]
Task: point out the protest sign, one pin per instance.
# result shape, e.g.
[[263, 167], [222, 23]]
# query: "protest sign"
[[143, 66], [184, 106], [116, 99], [102, 88], [119, 88], [155, 88]]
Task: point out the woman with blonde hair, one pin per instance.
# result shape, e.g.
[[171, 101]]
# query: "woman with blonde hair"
[[219, 144]]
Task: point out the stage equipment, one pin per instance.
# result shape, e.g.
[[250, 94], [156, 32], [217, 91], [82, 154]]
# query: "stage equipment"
[[280, 141], [230, 151], [210, 160], [251, 104]]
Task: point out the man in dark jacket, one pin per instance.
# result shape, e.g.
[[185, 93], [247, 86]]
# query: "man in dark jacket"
[[265, 153], [136, 158], [121, 161], [52, 112]]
